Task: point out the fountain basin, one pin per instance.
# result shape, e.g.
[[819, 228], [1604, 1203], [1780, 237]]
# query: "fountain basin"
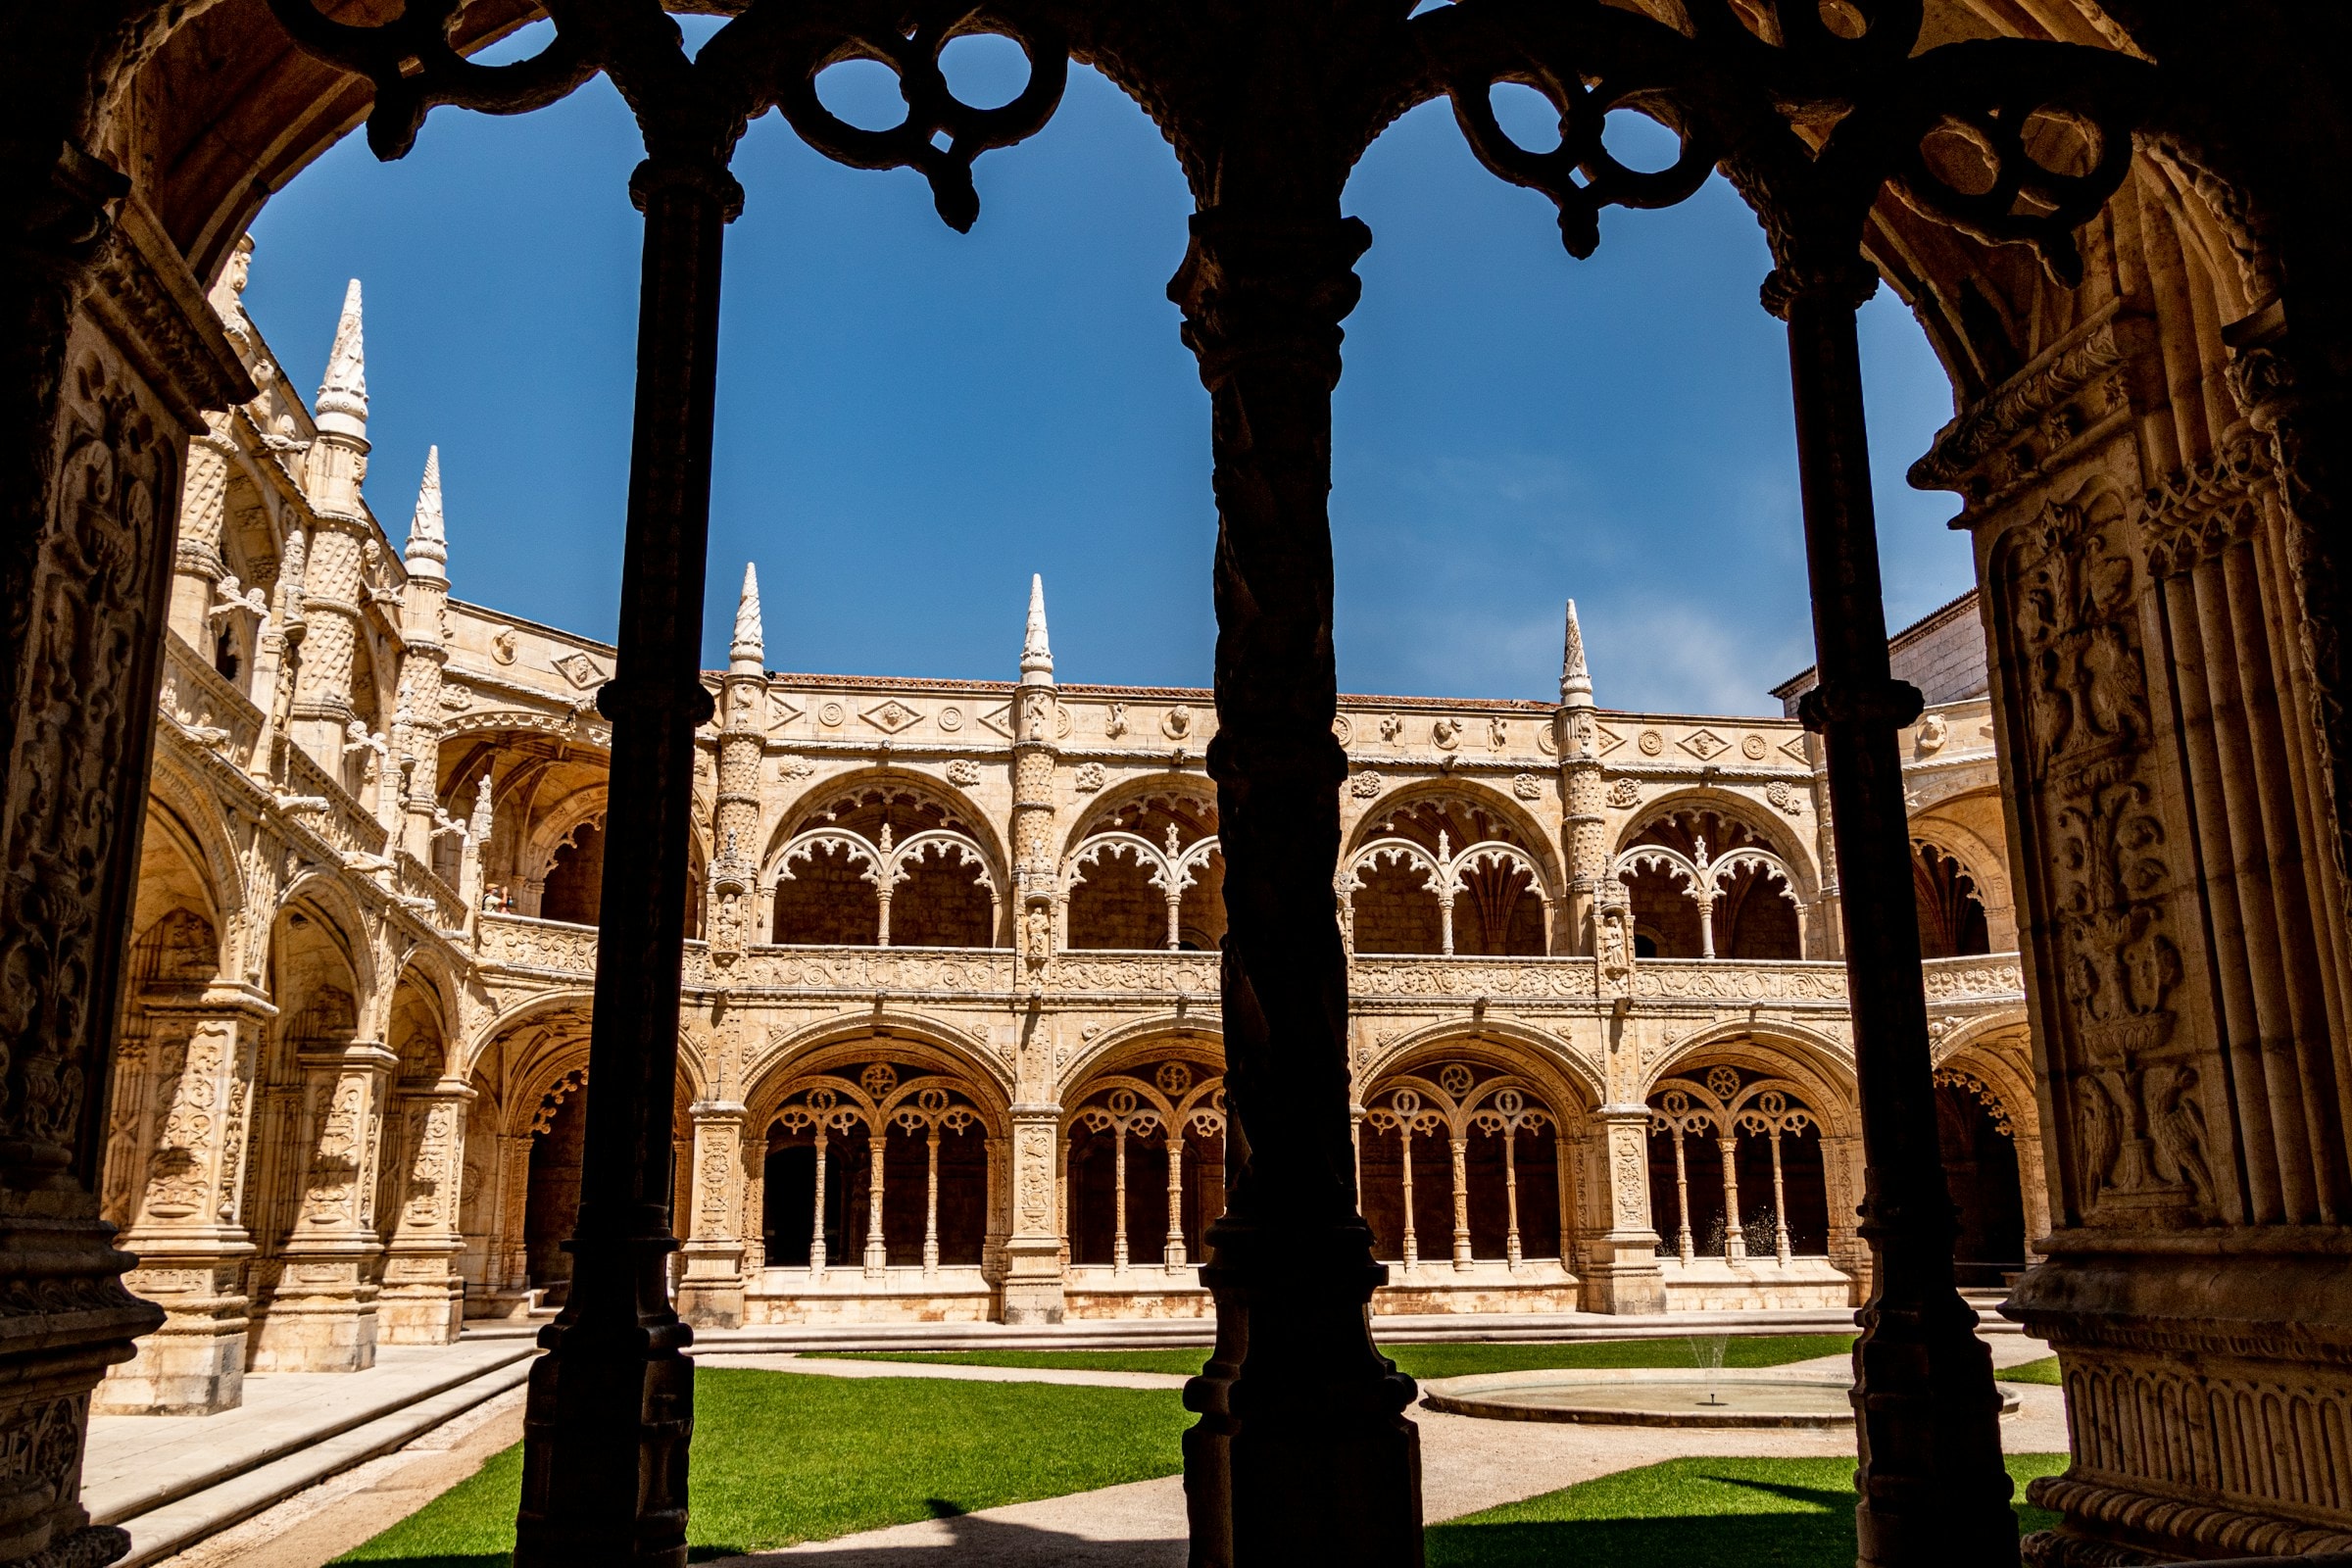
[[1651, 1396]]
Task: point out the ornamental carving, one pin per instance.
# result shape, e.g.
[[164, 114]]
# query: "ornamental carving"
[[2136, 1115], [1527, 787], [91, 585], [963, 771], [1625, 794], [1366, 785]]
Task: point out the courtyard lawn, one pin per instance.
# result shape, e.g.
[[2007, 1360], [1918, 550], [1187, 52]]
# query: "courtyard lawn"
[[780, 1457], [1759, 1514], [1415, 1361], [2044, 1370]]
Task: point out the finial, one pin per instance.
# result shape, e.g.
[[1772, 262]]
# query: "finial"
[[427, 552], [1576, 681], [1037, 655], [749, 654], [343, 395]]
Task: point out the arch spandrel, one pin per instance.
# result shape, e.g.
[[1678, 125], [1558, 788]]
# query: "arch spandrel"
[[827, 1041], [1574, 1083], [1820, 1063]]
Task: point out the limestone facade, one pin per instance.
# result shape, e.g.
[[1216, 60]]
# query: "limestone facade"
[[952, 1039]]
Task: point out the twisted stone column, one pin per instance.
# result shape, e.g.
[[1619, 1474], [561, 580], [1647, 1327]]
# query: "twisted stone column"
[[1302, 1453], [611, 1404], [1932, 1485]]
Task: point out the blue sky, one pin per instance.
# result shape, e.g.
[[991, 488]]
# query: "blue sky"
[[913, 420]]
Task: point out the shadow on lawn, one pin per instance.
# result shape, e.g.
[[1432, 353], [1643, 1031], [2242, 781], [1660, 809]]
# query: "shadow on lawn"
[[1820, 1536]]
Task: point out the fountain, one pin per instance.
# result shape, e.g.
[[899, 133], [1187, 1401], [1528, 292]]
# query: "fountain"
[[1659, 1397]]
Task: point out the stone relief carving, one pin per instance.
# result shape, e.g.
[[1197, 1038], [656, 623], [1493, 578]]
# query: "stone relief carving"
[[2138, 1122], [965, 771], [94, 569], [1625, 794], [1527, 787], [1090, 777], [1366, 785]]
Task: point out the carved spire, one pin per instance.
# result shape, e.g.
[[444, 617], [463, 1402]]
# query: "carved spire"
[[1037, 655], [748, 655], [343, 396], [1576, 681], [427, 552]]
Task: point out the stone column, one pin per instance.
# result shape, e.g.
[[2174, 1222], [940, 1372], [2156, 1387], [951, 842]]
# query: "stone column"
[[711, 1295], [412, 768], [1032, 1252], [1927, 1415], [90, 461], [1584, 848], [179, 1130], [1302, 1452], [332, 589], [423, 1300], [1622, 1273], [323, 1316], [611, 1401]]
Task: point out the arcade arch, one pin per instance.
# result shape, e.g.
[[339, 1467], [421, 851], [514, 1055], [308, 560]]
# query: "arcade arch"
[[1705, 881], [874, 1154], [1463, 1153], [1145, 871], [884, 862], [1144, 1156], [1449, 871]]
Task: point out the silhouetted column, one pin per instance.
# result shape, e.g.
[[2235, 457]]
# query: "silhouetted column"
[[1932, 1485], [1302, 1454], [611, 1404]]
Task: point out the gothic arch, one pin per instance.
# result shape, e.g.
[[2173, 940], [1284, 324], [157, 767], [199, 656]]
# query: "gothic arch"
[[189, 813], [320, 894], [1197, 791], [801, 810]]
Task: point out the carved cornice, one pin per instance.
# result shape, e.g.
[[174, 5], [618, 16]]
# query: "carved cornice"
[[160, 319], [2008, 435]]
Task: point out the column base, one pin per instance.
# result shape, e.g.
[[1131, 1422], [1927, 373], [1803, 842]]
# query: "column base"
[[423, 1301], [607, 1421], [710, 1295], [194, 1365], [56, 1338], [321, 1318], [2234, 1344], [1303, 1452], [1033, 1287], [1624, 1276]]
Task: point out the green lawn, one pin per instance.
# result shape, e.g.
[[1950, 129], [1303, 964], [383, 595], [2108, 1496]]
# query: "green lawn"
[[1416, 1360], [1759, 1514], [2044, 1370], [781, 1457]]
